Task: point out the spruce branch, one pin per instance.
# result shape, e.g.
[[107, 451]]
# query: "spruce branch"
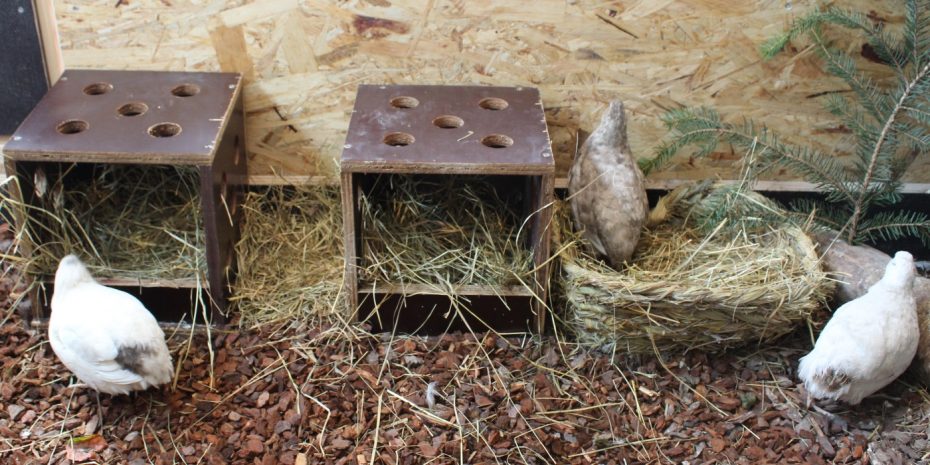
[[824, 215], [891, 125], [912, 28], [882, 138], [842, 66], [703, 126], [802, 25], [895, 225]]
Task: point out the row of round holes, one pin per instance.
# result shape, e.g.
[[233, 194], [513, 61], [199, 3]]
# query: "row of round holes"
[[76, 126], [490, 103], [401, 139], [183, 90], [448, 122]]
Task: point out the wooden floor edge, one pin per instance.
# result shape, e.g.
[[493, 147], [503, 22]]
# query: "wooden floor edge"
[[765, 186]]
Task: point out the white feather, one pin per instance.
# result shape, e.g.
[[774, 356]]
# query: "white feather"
[[869, 341], [92, 325]]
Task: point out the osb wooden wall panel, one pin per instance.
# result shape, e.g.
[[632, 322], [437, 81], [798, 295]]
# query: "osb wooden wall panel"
[[303, 60]]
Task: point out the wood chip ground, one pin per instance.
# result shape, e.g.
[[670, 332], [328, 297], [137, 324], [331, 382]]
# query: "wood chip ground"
[[336, 395]]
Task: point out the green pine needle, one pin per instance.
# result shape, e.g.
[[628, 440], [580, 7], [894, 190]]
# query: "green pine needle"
[[891, 127]]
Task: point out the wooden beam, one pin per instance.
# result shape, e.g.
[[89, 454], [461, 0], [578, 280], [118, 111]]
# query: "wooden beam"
[[3, 141], [765, 186], [48, 35]]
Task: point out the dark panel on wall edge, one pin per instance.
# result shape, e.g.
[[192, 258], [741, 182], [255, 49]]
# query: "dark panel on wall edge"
[[22, 69]]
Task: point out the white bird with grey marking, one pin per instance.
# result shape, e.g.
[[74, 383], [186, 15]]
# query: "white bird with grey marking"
[[105, 336], [869, 341]]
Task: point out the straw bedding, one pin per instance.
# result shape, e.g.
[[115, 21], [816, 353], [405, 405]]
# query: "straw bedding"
[[129, 221], [443, 231], [685, 289], [290, 255]]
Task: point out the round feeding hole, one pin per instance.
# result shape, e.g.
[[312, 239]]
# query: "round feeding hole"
[[493, 103], [186, 90], [133, 109], [404, 102], [165, 130], [73, 126], [448, 122], [398, 139], [497, 141], [98, 88]]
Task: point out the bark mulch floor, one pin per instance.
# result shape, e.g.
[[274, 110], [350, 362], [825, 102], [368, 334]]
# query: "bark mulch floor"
[[335, 396], [338, 395]]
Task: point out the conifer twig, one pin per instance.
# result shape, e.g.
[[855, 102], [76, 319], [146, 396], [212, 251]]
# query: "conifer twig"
[[860, 201], [891, 124]]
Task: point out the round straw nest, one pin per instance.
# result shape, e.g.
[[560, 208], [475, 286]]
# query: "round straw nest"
[[692, 284]]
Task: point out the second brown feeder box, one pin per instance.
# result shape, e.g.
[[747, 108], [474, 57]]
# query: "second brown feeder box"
[[90, 119], [496, 133]]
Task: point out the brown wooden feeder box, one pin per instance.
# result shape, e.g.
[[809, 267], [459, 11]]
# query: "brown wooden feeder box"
[[497, 132], [145, 118]]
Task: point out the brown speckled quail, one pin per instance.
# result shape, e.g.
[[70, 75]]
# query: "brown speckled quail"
[[607, 193]]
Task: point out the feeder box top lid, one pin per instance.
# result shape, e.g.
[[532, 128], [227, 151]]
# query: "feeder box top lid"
[[448, 129], [144, 117]]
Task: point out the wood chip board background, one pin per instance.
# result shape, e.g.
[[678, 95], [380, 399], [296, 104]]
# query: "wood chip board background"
[[303, 60]]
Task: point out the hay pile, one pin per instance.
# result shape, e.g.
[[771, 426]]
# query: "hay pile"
[[686, 289], [444, 231], [290, 256], [131, 221]]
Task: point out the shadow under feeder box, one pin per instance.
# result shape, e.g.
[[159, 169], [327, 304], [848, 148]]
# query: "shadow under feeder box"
[[141, 174], [456, 176]]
